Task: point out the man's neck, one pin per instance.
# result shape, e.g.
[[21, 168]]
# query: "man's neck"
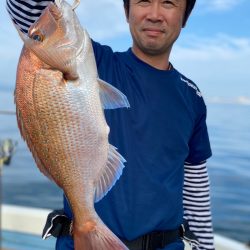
[[160, 62]]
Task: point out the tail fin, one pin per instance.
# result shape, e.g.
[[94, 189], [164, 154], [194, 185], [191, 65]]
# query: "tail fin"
[[94, 235]]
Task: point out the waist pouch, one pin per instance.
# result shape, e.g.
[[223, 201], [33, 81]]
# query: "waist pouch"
[[58, 224]]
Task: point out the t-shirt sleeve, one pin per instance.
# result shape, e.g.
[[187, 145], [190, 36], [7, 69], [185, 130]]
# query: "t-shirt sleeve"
[[103, 54], [199, 144], [104, 57]]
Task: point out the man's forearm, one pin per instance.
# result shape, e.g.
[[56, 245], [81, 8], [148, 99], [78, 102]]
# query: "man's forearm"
[[25, 12], [196, 201]]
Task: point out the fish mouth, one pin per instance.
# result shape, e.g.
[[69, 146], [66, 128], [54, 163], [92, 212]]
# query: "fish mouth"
[[69, 67], [79, 53], [70, 45], [69, 62], [80, 50]]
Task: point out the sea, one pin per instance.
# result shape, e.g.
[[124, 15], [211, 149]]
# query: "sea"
[[229, 169]]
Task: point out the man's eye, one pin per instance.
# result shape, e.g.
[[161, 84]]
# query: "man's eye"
[[143, 2], [168, 3]]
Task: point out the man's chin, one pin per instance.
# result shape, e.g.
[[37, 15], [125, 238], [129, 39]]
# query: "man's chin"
[[153, 50]]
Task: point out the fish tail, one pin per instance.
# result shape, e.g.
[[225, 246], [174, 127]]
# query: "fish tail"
[[95, 235]]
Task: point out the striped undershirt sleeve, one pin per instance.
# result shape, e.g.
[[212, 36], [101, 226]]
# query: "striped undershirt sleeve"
[[196, 202], [25, 12]]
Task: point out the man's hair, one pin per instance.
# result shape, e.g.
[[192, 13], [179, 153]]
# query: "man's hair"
[[189, 7]]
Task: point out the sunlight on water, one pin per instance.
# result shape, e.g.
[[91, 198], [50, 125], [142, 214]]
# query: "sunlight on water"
[[229, 169]]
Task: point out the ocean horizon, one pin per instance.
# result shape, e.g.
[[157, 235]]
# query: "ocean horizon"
[[228, 126]]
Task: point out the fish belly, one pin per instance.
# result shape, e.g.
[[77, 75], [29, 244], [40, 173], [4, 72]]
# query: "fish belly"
[[64, 126]]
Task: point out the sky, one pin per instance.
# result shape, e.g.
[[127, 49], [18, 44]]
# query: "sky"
[[213, 49]]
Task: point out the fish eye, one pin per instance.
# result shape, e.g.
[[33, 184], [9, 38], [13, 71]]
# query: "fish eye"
[[37, 37]]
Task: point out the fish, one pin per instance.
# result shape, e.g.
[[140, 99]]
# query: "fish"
[[60, 102]]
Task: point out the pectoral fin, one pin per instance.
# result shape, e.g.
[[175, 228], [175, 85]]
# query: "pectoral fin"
[[111, 97], [110, 174]]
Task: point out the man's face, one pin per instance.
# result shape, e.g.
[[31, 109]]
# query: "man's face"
[[155, 25]]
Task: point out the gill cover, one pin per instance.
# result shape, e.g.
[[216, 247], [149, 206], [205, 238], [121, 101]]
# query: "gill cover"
[[57, 38]]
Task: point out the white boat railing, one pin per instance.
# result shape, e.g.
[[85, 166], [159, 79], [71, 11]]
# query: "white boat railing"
[[31, 221], [23, 219]]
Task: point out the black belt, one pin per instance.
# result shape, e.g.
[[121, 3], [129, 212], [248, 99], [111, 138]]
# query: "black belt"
[[58, 224], [154, 240]]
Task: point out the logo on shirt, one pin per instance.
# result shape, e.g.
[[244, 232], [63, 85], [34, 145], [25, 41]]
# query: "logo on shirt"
[[192, 86]]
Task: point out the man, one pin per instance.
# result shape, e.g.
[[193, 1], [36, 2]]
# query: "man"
[[163, 136]]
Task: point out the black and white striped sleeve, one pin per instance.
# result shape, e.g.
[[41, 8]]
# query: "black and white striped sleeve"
[[196, 202], [25, 12]]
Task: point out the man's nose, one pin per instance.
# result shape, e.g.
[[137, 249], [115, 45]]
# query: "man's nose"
[[154, 13]]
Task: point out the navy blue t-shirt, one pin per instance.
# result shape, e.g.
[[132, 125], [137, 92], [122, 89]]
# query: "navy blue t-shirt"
[[164, 127]]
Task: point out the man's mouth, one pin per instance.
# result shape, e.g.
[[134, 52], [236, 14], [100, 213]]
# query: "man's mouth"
[[153, 31]]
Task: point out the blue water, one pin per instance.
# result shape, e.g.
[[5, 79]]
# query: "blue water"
[[229, 129]]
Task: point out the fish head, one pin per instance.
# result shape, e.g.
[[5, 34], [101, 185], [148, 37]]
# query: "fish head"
[[57, 38]]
